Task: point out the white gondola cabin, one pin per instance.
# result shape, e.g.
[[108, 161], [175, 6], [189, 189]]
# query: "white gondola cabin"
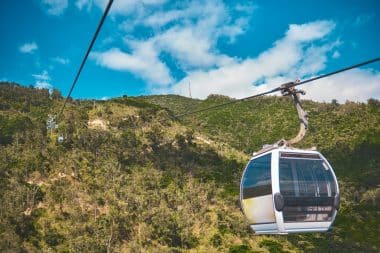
[[285, 190]]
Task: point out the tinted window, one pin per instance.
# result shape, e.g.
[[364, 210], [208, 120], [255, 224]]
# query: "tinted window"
[[257, 177], [308, 188]]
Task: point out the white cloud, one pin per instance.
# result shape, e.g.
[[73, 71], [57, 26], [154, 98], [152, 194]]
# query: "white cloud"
[[246, 7], [188, 33], [43, 80], [43, 85], [44, 76], [162, 18], [283, 62], [80, 4], [315, 58], [356, 85], [63, 61], [190, 47], [55, 7], [126, 7], [142, 62], [309, 31], [336, 55], [193, 32], [28, 48], [211, 19]]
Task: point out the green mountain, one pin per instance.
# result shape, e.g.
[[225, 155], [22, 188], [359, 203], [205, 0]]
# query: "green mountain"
[[131, 177]]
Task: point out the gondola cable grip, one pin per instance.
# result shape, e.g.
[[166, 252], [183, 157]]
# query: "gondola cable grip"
[[288, 89]]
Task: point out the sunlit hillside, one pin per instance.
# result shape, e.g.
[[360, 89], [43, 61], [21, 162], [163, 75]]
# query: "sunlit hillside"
[[131, 177]]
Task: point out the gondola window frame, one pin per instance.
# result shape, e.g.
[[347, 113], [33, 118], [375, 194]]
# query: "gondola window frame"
[[282, 222]]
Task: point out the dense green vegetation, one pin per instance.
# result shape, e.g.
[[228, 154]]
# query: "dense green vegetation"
[[130, 177]]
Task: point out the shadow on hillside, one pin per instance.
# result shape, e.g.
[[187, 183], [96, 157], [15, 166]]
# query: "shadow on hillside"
[[360, 165], [202, 163]]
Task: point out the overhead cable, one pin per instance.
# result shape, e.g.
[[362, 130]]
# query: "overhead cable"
[[86, 55]]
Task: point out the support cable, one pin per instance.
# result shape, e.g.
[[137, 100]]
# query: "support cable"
[[86, 55]]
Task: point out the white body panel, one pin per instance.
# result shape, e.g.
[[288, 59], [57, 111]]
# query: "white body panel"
[[259, 209], [276, 188], [270, 228], [307, 225]]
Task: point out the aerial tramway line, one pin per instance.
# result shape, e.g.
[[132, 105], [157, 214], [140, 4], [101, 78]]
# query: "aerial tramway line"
[[283, 189], [288, 190]]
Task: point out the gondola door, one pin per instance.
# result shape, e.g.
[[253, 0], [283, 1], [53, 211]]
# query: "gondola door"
[[308, 188], [256, 195]]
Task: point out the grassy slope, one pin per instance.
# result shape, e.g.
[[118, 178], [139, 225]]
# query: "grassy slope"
[[148, 182]]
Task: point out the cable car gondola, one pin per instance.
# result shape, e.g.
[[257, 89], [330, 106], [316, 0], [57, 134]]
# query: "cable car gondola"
[[286, 190]]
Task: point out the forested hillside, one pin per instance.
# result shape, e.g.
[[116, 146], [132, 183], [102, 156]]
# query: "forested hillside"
[[131, 177]]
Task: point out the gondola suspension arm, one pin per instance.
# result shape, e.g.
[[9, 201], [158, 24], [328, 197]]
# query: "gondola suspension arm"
[[288, 89]]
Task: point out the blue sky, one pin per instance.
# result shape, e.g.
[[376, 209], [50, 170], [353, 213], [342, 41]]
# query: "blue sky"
[[159, 46]]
